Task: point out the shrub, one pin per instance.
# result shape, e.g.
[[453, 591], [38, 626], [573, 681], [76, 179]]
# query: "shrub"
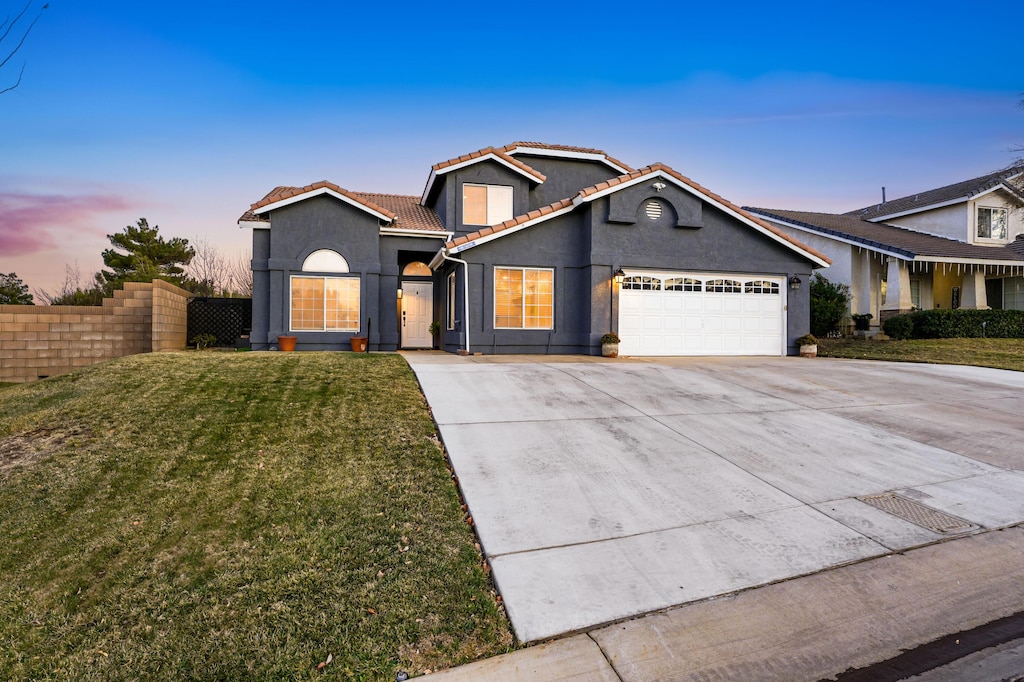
[[829, 303], [610, 337], [962, 323], [807, 340], [202, 341], [899, 327]]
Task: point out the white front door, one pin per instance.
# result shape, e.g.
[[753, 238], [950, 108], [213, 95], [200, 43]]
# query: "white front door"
[[417, 308]]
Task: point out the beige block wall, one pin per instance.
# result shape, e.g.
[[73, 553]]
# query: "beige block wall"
[[170, 316], [41, 341]]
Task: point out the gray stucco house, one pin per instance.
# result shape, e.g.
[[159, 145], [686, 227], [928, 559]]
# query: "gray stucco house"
[[528, 248]]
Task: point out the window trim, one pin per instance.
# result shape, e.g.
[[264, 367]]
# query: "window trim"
[[977, 224], [494, 302], [487, 203], [323, 279]]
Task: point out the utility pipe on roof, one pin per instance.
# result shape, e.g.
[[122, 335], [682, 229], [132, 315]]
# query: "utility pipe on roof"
[[465, 290]]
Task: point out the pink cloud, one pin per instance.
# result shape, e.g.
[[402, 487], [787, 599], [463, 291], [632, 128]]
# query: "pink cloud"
[[37, 222]]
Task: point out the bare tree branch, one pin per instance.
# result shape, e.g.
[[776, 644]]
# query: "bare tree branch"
[[241, 272], [8, 26]]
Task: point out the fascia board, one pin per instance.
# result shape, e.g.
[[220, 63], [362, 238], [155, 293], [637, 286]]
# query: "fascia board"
[[254, 224], [919, 209], [317, 192], [586, 156], [703, 197], [399, 232], [512, 230]]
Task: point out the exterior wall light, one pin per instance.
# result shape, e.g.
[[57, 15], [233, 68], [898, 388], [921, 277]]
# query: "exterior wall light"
[[399, 294], [619, 276], [794, 282]]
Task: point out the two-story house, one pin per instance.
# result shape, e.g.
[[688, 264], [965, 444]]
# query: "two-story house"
[[958, 246], [528, 248]]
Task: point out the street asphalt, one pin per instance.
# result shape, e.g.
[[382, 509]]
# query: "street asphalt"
[[604, 490]]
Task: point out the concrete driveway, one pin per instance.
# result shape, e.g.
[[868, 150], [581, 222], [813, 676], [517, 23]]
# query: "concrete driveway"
[[606, 489]]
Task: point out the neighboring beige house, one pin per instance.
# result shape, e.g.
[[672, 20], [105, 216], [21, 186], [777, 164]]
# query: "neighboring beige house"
[[959, 246]]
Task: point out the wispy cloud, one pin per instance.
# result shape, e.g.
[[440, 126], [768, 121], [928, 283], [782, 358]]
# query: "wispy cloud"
[[39, 222]]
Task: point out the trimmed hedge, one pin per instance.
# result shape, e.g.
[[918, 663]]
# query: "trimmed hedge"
[[952, 324]]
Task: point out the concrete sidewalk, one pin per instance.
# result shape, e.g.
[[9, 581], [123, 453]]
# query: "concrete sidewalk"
[[809, 628]]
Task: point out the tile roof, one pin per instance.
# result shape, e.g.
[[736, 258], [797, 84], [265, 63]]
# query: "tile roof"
[[566, 148], [879, 236], [587, 192], [950, 193], [406, 212], [486, 151]]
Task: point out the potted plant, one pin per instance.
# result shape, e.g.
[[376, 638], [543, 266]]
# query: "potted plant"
[[286, 342], [434, 328], [610, 345], [861, 321], [808, 346]]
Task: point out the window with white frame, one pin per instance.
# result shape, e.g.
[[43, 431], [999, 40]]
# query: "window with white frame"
[[524, 298], [451, 300], [324, 304], [486, 204], [992, 223]]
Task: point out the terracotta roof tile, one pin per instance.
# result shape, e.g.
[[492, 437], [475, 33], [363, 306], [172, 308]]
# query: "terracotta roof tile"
[[614, 182], [909, 243], [481, 153], [566, 148], [958, 190], [406, 212]]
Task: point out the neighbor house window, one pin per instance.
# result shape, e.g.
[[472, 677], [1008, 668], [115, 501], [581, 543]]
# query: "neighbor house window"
[[524, 298], [451, 300], [486, 204], [320, 304], [992, 223]]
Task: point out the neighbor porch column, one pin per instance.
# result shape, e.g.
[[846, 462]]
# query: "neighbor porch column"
[[860, 291], [972, 291], [897, 290]]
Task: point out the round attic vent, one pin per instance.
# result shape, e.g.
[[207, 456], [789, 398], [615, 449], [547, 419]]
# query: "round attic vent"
[[653, 209]]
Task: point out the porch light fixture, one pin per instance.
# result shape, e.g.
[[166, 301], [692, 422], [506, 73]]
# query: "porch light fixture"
[[619, 276], [399, 294], [794, 282]]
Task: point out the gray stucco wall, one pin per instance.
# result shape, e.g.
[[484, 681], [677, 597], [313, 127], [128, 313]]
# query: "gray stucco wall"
[[565, 178], [584, 249]]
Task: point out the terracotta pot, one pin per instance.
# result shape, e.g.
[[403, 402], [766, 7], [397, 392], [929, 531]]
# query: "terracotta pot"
[[286, 342], [359, 344], [610, 350], [809, 351]]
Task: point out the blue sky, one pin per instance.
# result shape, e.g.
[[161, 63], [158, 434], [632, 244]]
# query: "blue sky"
[[186, 113]]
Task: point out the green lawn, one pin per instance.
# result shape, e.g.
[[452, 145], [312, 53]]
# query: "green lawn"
[[998, 353], [234, 516]]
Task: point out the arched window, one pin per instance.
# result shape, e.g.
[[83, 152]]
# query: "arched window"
[[325, 260], [417, 269]]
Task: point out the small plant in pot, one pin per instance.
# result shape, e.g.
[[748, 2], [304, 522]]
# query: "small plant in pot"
[[861, 321], [610, 345], [808, 346]]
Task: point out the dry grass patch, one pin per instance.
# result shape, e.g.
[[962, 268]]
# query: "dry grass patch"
[[998, 353], [234, 516]]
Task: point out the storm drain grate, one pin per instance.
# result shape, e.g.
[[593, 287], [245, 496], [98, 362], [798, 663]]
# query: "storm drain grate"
[[917, 513]]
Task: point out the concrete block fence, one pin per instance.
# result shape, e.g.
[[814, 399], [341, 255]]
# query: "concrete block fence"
[[41, 341]]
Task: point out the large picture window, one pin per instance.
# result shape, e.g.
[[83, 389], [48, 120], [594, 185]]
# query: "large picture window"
[[524, 298], [486, 204], [991, 223], [320, 304]]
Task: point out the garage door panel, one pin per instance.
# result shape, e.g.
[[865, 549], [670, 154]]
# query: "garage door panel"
[[749, 322]]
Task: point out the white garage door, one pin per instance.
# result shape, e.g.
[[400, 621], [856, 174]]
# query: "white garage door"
[[684, 313]]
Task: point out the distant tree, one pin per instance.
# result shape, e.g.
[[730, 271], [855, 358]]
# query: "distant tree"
[[140, 254], [209, 272], [10, 42], [829, 304], [241, 274], [13, 291], [71, 291]]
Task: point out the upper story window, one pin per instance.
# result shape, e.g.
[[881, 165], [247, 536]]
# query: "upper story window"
[[992, 223], [486, 204]]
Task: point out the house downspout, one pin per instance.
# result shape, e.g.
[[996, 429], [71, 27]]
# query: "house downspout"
[[465, 289]]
